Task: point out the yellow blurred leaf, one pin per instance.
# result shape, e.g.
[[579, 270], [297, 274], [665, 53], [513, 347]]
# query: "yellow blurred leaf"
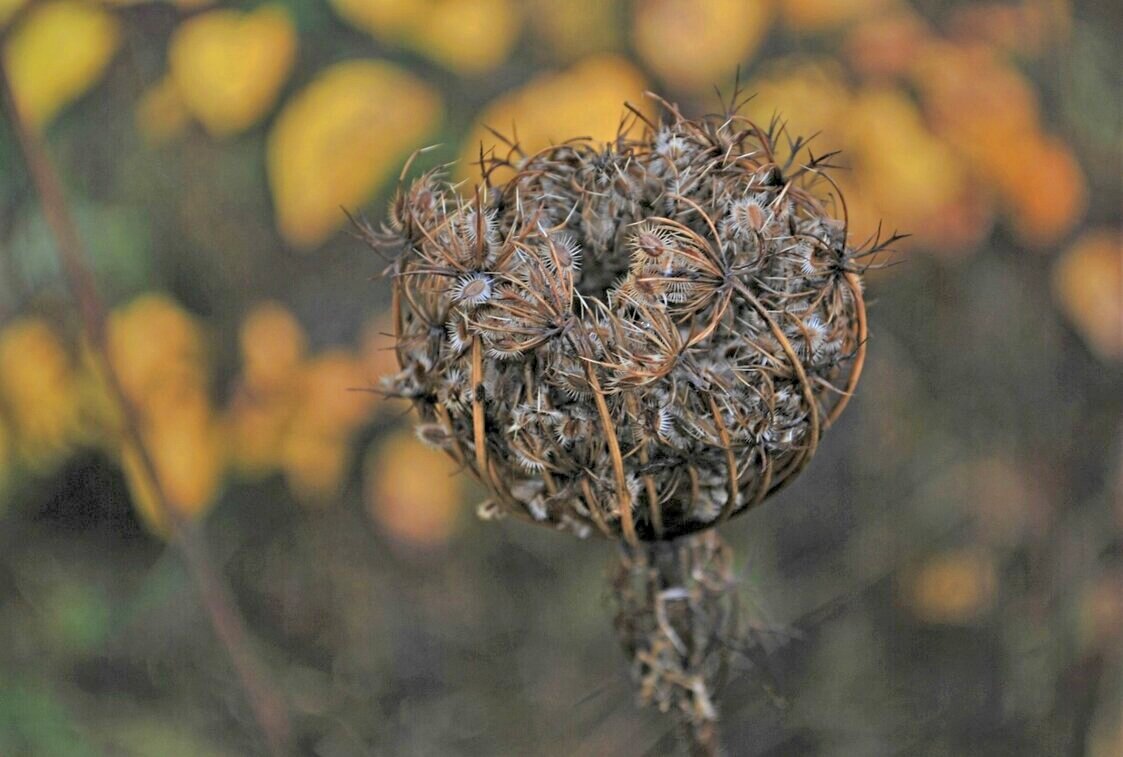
[[385, 18], [256, 426], [333, 402], [585, 100], [314, 467], [158, 354], [467, 36], [1043, 188], [269, 389], [411, 491], [157, 350], [229, 66], [57, 53], [339, 138], [810, 95], [8, 9], [161, 113], [187, 450], [695, 44], [953, 588], [39, 391], [904, 172], [1088, 286]]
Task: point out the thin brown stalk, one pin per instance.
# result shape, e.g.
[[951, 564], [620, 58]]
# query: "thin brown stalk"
[[860, 358], [267, 705], [627, 521]]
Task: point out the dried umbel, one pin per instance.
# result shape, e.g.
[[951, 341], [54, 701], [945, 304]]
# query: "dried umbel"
[[641, 339]]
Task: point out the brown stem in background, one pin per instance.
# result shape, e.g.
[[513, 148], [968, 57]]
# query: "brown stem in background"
[[268, 708]]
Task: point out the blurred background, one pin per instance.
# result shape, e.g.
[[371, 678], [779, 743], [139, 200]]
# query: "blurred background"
[[946, 578]]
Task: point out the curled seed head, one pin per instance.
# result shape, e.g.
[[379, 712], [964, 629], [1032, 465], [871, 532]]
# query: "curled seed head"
[[640, 339]]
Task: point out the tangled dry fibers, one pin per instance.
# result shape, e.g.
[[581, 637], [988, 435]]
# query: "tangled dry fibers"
[[677, 621], [641, 339]]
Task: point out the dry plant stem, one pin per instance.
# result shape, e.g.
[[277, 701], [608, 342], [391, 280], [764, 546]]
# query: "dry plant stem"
[[677, 620], [268, 708], [859, 359], [626, 520]]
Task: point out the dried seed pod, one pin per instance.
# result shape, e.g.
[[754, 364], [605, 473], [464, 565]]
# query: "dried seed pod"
[[654, 335]]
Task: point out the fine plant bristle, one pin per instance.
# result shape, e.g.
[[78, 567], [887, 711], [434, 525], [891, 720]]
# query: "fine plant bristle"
[[645, 338]]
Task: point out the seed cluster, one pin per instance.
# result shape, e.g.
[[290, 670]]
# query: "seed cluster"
[[641, 339]]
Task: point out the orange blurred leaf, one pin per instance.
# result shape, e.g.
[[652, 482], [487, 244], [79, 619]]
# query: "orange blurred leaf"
[[1025, 27], [1088, 286], [953, 587], [333, 402], [885, 45], [1044, 189], [273, 345], [411, 491]]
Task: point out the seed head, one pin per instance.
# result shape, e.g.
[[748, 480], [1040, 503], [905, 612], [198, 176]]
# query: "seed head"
[[642, 339]]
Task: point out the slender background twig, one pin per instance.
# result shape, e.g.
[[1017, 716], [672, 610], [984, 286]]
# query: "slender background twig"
[[267, 705]]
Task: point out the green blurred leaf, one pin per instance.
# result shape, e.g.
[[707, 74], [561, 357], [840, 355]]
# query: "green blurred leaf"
[[33, 722], [117, 238], [165, 737], [78, 617]]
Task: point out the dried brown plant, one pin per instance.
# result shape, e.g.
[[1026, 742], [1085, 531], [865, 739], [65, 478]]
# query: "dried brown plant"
[[640, 340]]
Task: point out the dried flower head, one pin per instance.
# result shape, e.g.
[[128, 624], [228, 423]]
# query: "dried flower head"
[[642, 339]]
